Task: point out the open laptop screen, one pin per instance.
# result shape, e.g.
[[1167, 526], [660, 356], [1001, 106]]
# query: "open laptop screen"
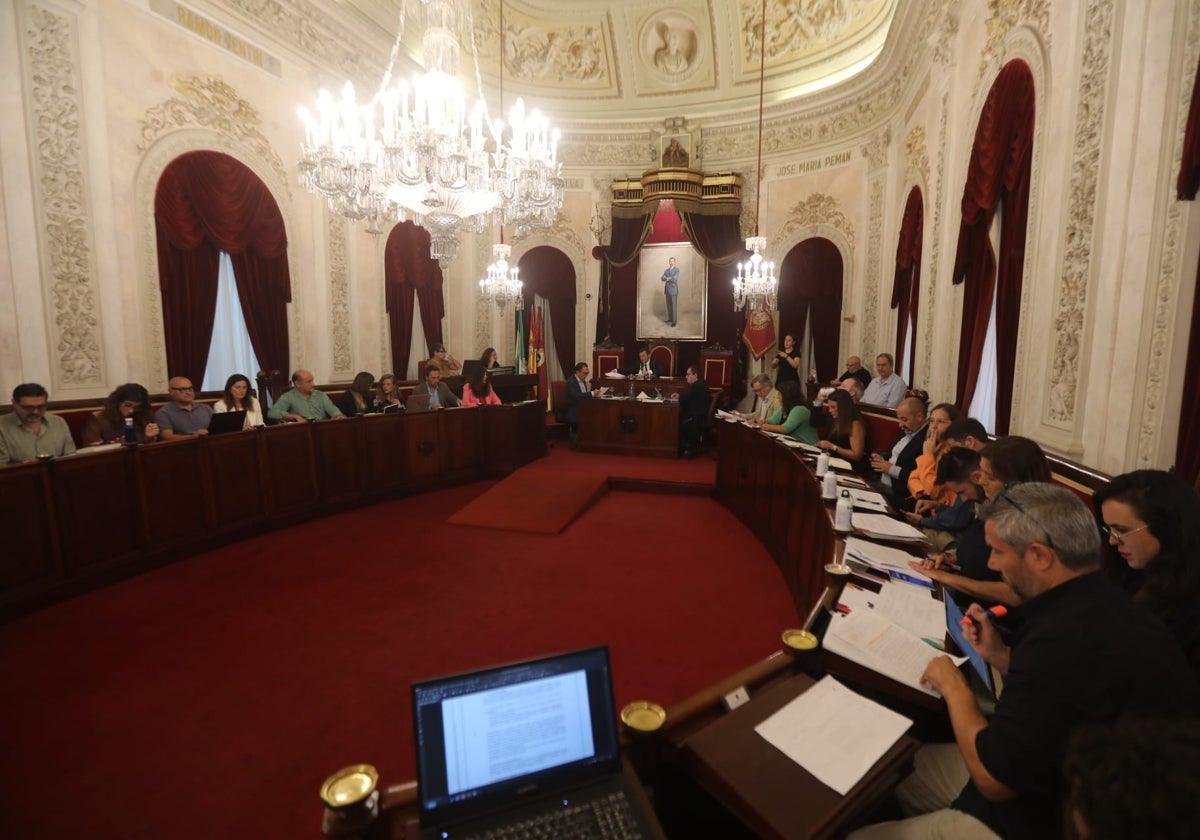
[[496, 737], [954, 617]]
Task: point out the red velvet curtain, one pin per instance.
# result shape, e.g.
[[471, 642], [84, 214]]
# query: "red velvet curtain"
[[998, 176], [548, 272], [629, 234], [1189, 165], [906, 288], [208, 202], [410, 273], [810, 288], [1187, 445]]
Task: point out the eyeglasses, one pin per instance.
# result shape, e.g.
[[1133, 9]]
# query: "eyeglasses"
[[188, 388], [1117, 534], [1030, 517]]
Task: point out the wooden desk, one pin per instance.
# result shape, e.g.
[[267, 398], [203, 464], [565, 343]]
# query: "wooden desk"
[[773, 794], [629, 427], [82, 521], [669, 386]]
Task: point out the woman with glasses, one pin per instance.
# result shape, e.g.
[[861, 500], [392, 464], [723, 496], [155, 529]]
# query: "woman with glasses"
[[1152, 521], [239, 396], [108, 424]]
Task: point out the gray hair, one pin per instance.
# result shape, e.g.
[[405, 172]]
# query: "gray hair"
[[1029, 512], [761, 379]]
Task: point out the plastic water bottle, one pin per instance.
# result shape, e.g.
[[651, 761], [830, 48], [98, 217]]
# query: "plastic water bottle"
[[843, 518], [829, 487], [822, 463], [130, 432]]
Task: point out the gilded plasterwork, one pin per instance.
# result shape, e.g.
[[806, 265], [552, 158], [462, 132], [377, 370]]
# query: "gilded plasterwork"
[[339, 296], [870, 328], [545, 51], [674, 47], [483, 309], [1077, 265], [817, 209], [213, 104], [916, 156], [931, 285], [1006, 15], [50, 53], [320, 36], [798, 29]]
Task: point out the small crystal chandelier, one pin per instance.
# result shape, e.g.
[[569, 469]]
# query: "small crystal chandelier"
[[755, 283], [426, 157], [501, 286]]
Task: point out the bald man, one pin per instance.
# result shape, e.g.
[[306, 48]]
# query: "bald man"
[[182, 417], [893, 470], [854, 370], [304, 402]]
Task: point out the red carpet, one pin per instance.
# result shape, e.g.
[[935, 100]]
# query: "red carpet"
[[210, 698], [533, 501]]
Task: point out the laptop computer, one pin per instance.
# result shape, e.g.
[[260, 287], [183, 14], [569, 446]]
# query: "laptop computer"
[[416, 402], [534, 740], [469, 366], [229, 421], [986, 685]]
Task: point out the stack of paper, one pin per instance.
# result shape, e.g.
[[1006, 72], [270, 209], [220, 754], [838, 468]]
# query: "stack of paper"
[[834, 733], [878, 525], [867, 637], [644, 397], [868, 499]]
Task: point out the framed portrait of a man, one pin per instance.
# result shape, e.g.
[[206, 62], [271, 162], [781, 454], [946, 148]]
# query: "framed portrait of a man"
[[672, 292], [675, 151]]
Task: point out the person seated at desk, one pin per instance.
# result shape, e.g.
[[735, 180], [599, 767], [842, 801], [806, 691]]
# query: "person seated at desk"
[[574, 390], [847, 435], [182, 417], [490, 358], [793, 417], [440, 395], [895, 468], [922, 481], [108, 424], [478, 391], [443, 361], [357, 398], [29, 432], [1011, 459], [1151, 522], [693, 412], [304, 402], [387, 394], [887, 388], [239, 396], [854, 370], [1081, 652], [646, 366], [767, 399]]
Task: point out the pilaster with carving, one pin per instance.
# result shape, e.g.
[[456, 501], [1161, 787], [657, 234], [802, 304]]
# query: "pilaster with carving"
[[483, 309], [339, 297], [875, 150], [49, 43], [930, 293]]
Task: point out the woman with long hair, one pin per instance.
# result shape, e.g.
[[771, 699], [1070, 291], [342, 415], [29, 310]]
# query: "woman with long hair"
[[490, 358], [787, 362], [922, 481], [239, 396], [478, 391], [1152, 521], [793, 417], [357, 399], [108, 424], [847, 436], [1010, 459], [387, 393]]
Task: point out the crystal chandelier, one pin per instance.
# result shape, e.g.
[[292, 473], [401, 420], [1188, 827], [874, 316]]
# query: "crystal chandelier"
[[755, 283], [416, 152], [501, 285]]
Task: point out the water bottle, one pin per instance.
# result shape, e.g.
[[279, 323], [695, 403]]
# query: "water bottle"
[[829, 486], [130, 432], [822, 463], [843, 518]]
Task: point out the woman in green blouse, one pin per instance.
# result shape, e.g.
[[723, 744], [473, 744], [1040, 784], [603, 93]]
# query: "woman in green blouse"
[[793, 417]]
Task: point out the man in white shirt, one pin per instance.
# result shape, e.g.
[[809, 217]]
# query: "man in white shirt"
[[886, 388], [902, 460]]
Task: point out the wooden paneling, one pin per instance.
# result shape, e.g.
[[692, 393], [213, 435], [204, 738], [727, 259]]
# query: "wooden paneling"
[[239, 493], [27, 523], [628, 427], [422, 445], [173, 495], [99, 512], [337, 456], [384, 461], [291, 466]]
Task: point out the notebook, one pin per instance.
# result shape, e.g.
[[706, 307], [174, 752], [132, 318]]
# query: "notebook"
[[528, 740], [228, 421], [416, 402]]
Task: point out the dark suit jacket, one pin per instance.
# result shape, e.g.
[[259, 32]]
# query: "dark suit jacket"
[[655, 367], [445, 395], [694, 402], [573, 392], [907, 462]]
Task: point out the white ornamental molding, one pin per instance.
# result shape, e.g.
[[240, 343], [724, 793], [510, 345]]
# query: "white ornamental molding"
[[50, 64], [916, 156], [483, 311], [870, 333], [339, 296], [931, 285], [1077, 268], [1004, 16]]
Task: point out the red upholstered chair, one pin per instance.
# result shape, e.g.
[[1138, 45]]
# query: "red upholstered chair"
[[664, 353], [716, 366], [605, 359], [555, 429]]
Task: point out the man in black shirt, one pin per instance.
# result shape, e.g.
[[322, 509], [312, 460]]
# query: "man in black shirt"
[[693, 412], [1081, 651]]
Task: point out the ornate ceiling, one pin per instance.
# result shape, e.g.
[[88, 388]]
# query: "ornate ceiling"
[[592, 61]]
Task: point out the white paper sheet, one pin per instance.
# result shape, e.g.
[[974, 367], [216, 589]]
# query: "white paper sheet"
[[914, 608], [868, 500], [870, 639], [885, 526], [883, 557], [834, 733], [612, 374]]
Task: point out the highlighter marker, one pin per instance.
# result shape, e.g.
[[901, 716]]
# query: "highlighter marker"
[[998, 611]]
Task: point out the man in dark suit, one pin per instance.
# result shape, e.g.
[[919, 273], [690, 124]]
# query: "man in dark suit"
[[693, 412], [574, 390], [894, 469], [645, 366], [440, 395]]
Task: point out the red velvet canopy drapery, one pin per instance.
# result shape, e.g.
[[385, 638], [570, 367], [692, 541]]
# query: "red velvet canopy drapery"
[[906, 288], [548, 272], [1187, 445], [998, 176], [409, 271], [208, 202], [810, 289]]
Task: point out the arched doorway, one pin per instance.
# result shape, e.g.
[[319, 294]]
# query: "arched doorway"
[[810, 304]]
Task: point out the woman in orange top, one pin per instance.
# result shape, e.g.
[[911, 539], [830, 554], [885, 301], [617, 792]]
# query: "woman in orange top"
[[922, 481]]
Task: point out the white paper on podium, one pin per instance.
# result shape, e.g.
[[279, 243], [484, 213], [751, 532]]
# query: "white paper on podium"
[[885, 526], [883, 557], [870, 639], [834, 733], [868, 500], [612, 374]]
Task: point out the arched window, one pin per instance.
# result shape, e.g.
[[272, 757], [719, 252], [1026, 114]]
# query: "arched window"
[[410, 273], [810, 303], [906, 288], [997, 187], [548, 282], [206, 204]]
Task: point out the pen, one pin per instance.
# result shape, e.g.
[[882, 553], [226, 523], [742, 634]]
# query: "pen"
[[998, 611]]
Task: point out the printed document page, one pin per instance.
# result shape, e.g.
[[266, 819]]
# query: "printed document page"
[[885, 526], [870, 639]]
